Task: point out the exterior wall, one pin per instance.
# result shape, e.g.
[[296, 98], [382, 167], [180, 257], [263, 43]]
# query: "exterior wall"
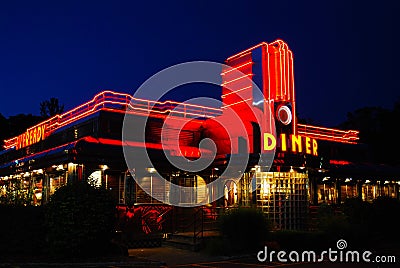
[[284, 197], [336, 190]]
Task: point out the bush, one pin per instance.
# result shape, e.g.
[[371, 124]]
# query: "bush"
[[359, 215], [243, 229], [358, 212], [361, 223], [332, 223], [80, 221]]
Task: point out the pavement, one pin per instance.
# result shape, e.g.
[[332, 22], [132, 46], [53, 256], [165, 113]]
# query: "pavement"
[[173, 257], [167, 256]]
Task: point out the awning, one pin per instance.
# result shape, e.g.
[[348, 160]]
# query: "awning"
[[365, 171], [40, 155]]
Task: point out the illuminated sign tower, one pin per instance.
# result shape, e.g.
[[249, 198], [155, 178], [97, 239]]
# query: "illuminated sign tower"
[[270, 67]]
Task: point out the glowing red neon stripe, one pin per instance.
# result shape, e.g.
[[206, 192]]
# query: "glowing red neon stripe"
[[225, 106], [327, 129], [325, 136], [236, 79], [42, 152], [236, 91], [246, 51], [235, 68], [329, 134], [339, 162], [332, 135], [105, 98]]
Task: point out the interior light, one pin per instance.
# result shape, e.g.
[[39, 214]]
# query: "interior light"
[[104, 167], [151, 170], [60, 167]]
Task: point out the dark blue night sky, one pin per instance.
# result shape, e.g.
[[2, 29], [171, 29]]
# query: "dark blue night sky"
[[346, 52]]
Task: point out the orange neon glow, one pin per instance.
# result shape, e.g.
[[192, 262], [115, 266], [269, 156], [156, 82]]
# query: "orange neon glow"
[[283, 142], [296, 143], [315, 147], [308, 145], [299, 144], [31, 136], [269, 142]]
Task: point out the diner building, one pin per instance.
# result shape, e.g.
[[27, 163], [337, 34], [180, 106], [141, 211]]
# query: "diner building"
[[311, 164]]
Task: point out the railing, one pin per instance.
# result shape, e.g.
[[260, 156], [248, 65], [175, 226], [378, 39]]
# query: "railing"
[[198, 226], [142, 225], [119, 102], [190, 221], [329, 134]]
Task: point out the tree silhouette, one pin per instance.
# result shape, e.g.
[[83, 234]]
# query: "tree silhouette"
[[377, 128], [18, 124], [51, 107], [4, 129]]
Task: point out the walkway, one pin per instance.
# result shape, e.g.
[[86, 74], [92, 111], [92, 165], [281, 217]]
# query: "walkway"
[[180, 258]]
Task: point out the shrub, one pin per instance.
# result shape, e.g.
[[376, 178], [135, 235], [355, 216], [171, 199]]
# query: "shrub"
[[16, 194], [362, 223], [359, 215], [80, 221], [332, 223], [243, 229], [358, 212]]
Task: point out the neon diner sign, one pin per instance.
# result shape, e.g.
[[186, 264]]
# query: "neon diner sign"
[[31, 136], [293, 143]]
